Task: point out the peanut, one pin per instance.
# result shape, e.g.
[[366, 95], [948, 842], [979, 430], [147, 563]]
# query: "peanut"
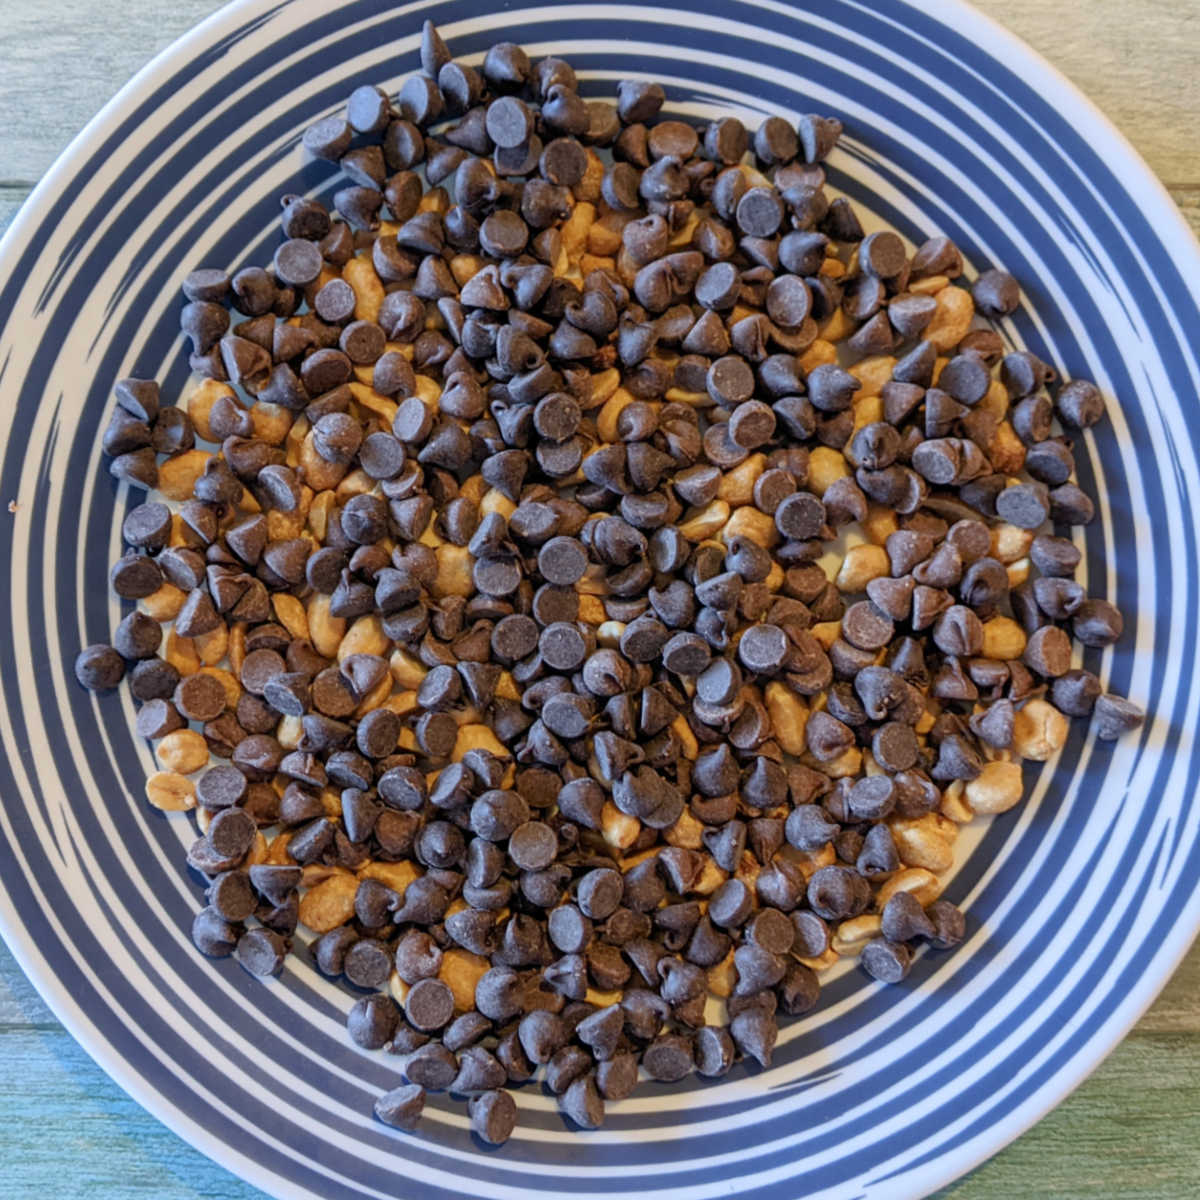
[[789, 717], [1039, 730], [706, 522], [873, 372], [476, 737], [461, 971], [996, 789], [290, 613], [749, 522], [1003, 638], [163, 604], [324, 631], [200, 405], [170, 791], [178, 474], [824, 466], [920, 882], [329, 904], [618, 830], [365, 636], [851, 936], [359, 273], [453, 572], [211, 647], [952, 320], [862, 564], [182, 751], [737, 486]]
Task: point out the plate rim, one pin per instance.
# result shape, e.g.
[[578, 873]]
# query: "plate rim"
[[1125, 162]]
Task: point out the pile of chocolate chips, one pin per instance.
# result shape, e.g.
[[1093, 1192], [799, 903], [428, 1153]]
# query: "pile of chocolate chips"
[[497, 597]]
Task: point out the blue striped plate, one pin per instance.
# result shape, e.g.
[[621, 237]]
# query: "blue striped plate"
[[1080, 902]]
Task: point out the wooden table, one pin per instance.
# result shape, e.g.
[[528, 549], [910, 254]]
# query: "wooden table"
[[1132, 1130]]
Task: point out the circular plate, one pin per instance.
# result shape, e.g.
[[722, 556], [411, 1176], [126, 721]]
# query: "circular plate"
[[1080, 902]]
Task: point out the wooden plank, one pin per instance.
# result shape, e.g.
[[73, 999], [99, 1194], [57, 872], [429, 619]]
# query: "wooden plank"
[[1135, 61], [1131, 1131], [59, 73]]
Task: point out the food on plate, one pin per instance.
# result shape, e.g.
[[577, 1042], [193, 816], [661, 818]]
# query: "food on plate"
[[591, 582]]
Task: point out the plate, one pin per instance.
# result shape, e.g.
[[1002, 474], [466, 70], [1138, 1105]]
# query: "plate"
[[1080, 902]]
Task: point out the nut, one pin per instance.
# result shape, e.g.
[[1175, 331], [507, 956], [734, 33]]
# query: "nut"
[[929, 286], [689, 746], [182, 751], [826, 632], [496, 502], [711, 878], [1010, 543], [374, 698], [288, 732], [315, 471], [619, 831], [237, 647], [460, 972], [685, 832], [996, 789], [824, 466], [177, 475], [329, 904], [290, 613], [706, 522], [1007, 451], [200, 405], [954, 804], [368, 290], [211, 646], [824, 962], [476, 737], [847, 764], [862, 564], [873, 372], [749, 522], [921, 883], [271, 422], [164, 604], [170, 791], [820, 353], [257, 852], [851, 936], [575, 228], [867, 410], [722, 977], [365, 636], [454, 565], [397, 875], [324, 631], [1039, 730], [737, 486], [919, 846], [277, 851], [789, 717], [407, 670], [1003, 638], [951, 320]]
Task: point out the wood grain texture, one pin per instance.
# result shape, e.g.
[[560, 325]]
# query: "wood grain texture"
[[1131, 1131]]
